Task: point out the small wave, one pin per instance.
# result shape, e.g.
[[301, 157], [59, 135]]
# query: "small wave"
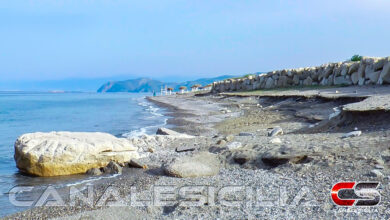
[[91, 180], [144, 130], [154, 113]]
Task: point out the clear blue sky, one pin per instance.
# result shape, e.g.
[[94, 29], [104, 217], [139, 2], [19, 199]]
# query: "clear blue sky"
[[50, 40]]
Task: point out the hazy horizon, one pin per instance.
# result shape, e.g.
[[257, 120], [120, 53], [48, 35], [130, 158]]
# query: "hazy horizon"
[[42, 41]]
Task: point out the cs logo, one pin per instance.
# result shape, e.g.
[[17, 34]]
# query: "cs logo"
[[356, 194]]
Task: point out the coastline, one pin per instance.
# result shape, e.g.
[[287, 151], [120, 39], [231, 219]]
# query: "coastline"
[[144, 178], [308, 162]]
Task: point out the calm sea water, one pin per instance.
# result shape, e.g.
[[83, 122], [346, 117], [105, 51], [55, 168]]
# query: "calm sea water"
[[120, 114]]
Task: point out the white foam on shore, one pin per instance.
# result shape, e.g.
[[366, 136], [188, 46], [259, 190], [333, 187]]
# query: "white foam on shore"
[[92, 179], [154, 114]]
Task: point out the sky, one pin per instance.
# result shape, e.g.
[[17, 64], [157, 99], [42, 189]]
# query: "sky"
[[182, 39]]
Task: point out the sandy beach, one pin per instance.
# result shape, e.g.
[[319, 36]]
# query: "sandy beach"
[[287, 175]]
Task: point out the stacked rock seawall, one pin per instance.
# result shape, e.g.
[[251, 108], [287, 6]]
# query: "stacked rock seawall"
[[368, 71]]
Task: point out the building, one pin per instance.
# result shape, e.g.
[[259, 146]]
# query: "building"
[[183, 89], [195, 87]]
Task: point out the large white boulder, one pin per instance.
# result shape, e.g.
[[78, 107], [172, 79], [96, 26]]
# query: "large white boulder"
[[65, 153]]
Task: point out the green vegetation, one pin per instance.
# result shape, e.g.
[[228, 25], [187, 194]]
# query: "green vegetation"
[[244, 76], [356, 58]]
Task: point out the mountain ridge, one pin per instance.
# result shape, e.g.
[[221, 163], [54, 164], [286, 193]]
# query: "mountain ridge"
[[146, 84]]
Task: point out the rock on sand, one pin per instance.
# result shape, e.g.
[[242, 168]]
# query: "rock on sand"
[[201, 164], [275, 131], [65, 153], [166, 131]]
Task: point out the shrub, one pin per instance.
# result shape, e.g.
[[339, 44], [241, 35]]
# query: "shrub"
[[356, 58]]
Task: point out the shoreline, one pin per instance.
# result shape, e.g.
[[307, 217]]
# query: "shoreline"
[[146, 176], [302, 158]]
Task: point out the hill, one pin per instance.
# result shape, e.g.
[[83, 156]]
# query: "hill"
[[150, 85]]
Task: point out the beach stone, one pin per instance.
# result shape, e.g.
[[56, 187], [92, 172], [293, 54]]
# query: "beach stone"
[[375, 173], [245, 134], [201, 164], [166, 131], [229, 138], [282, 155], [380, 167], [352, 134], [184, 148], [137, 163], [112, 168], [276, 131], [214, 149], [242, 157], [94, 172], [221, 142], [66, 153], [234, 145], [275, 141]]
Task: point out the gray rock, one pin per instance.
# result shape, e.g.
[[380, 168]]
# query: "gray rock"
[[282, 155], [375, 173], [342, 80], [355, 78], [270, 83], [112, 168], [361, 73], [242, 157], [282, 82], [296, 79], [275, 141], [166, 131], [379, 64], [276, 131], [308, 81], [221, 142], [94, 172], [137, 163], [245, 134], [234, 145], [379, 167], [352, 134], [229, 138], [373, 76], [354, 68], [201, 164], [215, 149], [185, 148], [385, 74]]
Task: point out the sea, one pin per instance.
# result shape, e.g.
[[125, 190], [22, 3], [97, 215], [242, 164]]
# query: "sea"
[[120, 114]]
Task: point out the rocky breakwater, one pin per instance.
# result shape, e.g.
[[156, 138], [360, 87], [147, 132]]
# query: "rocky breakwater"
[[368, 71], [65, 153]]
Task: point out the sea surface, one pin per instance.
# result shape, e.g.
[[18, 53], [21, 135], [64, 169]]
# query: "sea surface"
[[120, 114]]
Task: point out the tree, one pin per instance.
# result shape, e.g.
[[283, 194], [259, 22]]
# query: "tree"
[[356, 58]]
